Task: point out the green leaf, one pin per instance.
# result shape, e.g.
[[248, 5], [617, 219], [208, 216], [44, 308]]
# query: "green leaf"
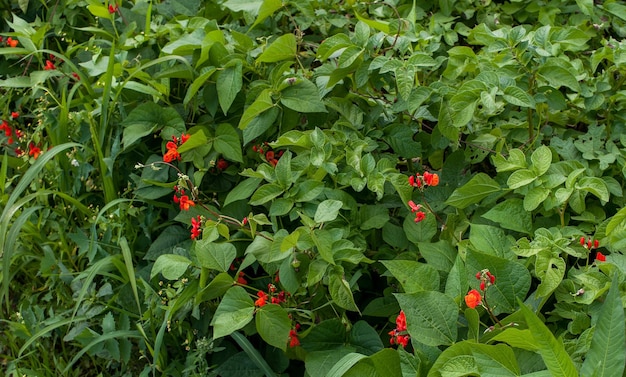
[[422, 231], [258, 125], [215, 256], [413, 276], [521, 178], [344, 364], [234, 312], [511, 214], [302, 96], [249, 6], [365, 338], [405, 80], [198, 83], [327, 210], [518, 97], [616, 9], [171, 266], [534, 197], [227, 142], [373, 217], [478, 188], [273, 324], [283, 171], [430, 317], [606, 355], [557, 76], [595, 186], [229, 83], [243, 190], [260, 105], [147, 118], [586, 6], [283, 48], [552, 352], [541, 160], [340, 290], [267, 9], [512, 280]]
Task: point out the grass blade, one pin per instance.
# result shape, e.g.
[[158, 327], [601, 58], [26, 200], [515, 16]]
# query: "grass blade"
[[253, 354]]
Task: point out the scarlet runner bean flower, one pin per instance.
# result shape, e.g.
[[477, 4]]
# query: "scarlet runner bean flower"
[[49, 66], [33, 150], [416, 208], [172, 152], [240, 279], [399, 335], [473, 299], [600, 257], [12, 42], [262, 300], [113, 9], [293, 338], [196, 224]]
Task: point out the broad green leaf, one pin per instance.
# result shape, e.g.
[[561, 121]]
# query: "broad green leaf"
[[490, 240], [616, 9], [149, 117], [99, 11], [340, 291], [413, 276], [606, 355], [422, 231], [515, 160], [243, 190], [229, 83], [478, 188], [265, 193], [405, 81], [302, 96], [512, 280], [344, 364], [511, 214], [198, 83], [171, 266], [259, 124], [234, 312], [558, 76], [552, 351], [541, 160], [518, 97], [319, 362], [227, 142], [521, 178], [215, 256], [249, 6], [365, 338], [522, 339], [483, 359], [586, 6], [267, 9], [378, 25], [260, 105], [373, 217], [283, 171], [384, 363], [462, 107], [430, 316], [595, 186], [273, 324], [283, 48], [185, 44], [534, 197], [440, 254], [327, 210]]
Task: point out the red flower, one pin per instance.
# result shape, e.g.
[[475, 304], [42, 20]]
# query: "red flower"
[[414, 207], [262, 300], [113, 9], [19, 152], [12, 42], [15, 114], [419, 216], [473, 299], [75, 75], [221, 164], [184, 137], [240, 279], [185, 203], [415, 181], [600, 257], [172, 152], [401, 321], [33, 150], [293, 338], [49, 66], [431, 179], [196, 224]]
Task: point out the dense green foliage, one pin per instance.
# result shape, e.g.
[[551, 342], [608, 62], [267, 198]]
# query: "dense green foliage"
[[266, 187]]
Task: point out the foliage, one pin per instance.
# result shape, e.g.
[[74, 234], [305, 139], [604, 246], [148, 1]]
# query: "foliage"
[[285, 187]]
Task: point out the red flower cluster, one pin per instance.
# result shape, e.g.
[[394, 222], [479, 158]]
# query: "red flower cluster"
[[270, 156], [486, 279], [183, 200], [416, 208], [196, 225], [49, 66], [8, 131], [399, 335], [113, 8], [293, 337], [428, 179], [172, 148], [34, 150], [473, 299], [262, 300], [588, 243], [241, 279], [10, 42]]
